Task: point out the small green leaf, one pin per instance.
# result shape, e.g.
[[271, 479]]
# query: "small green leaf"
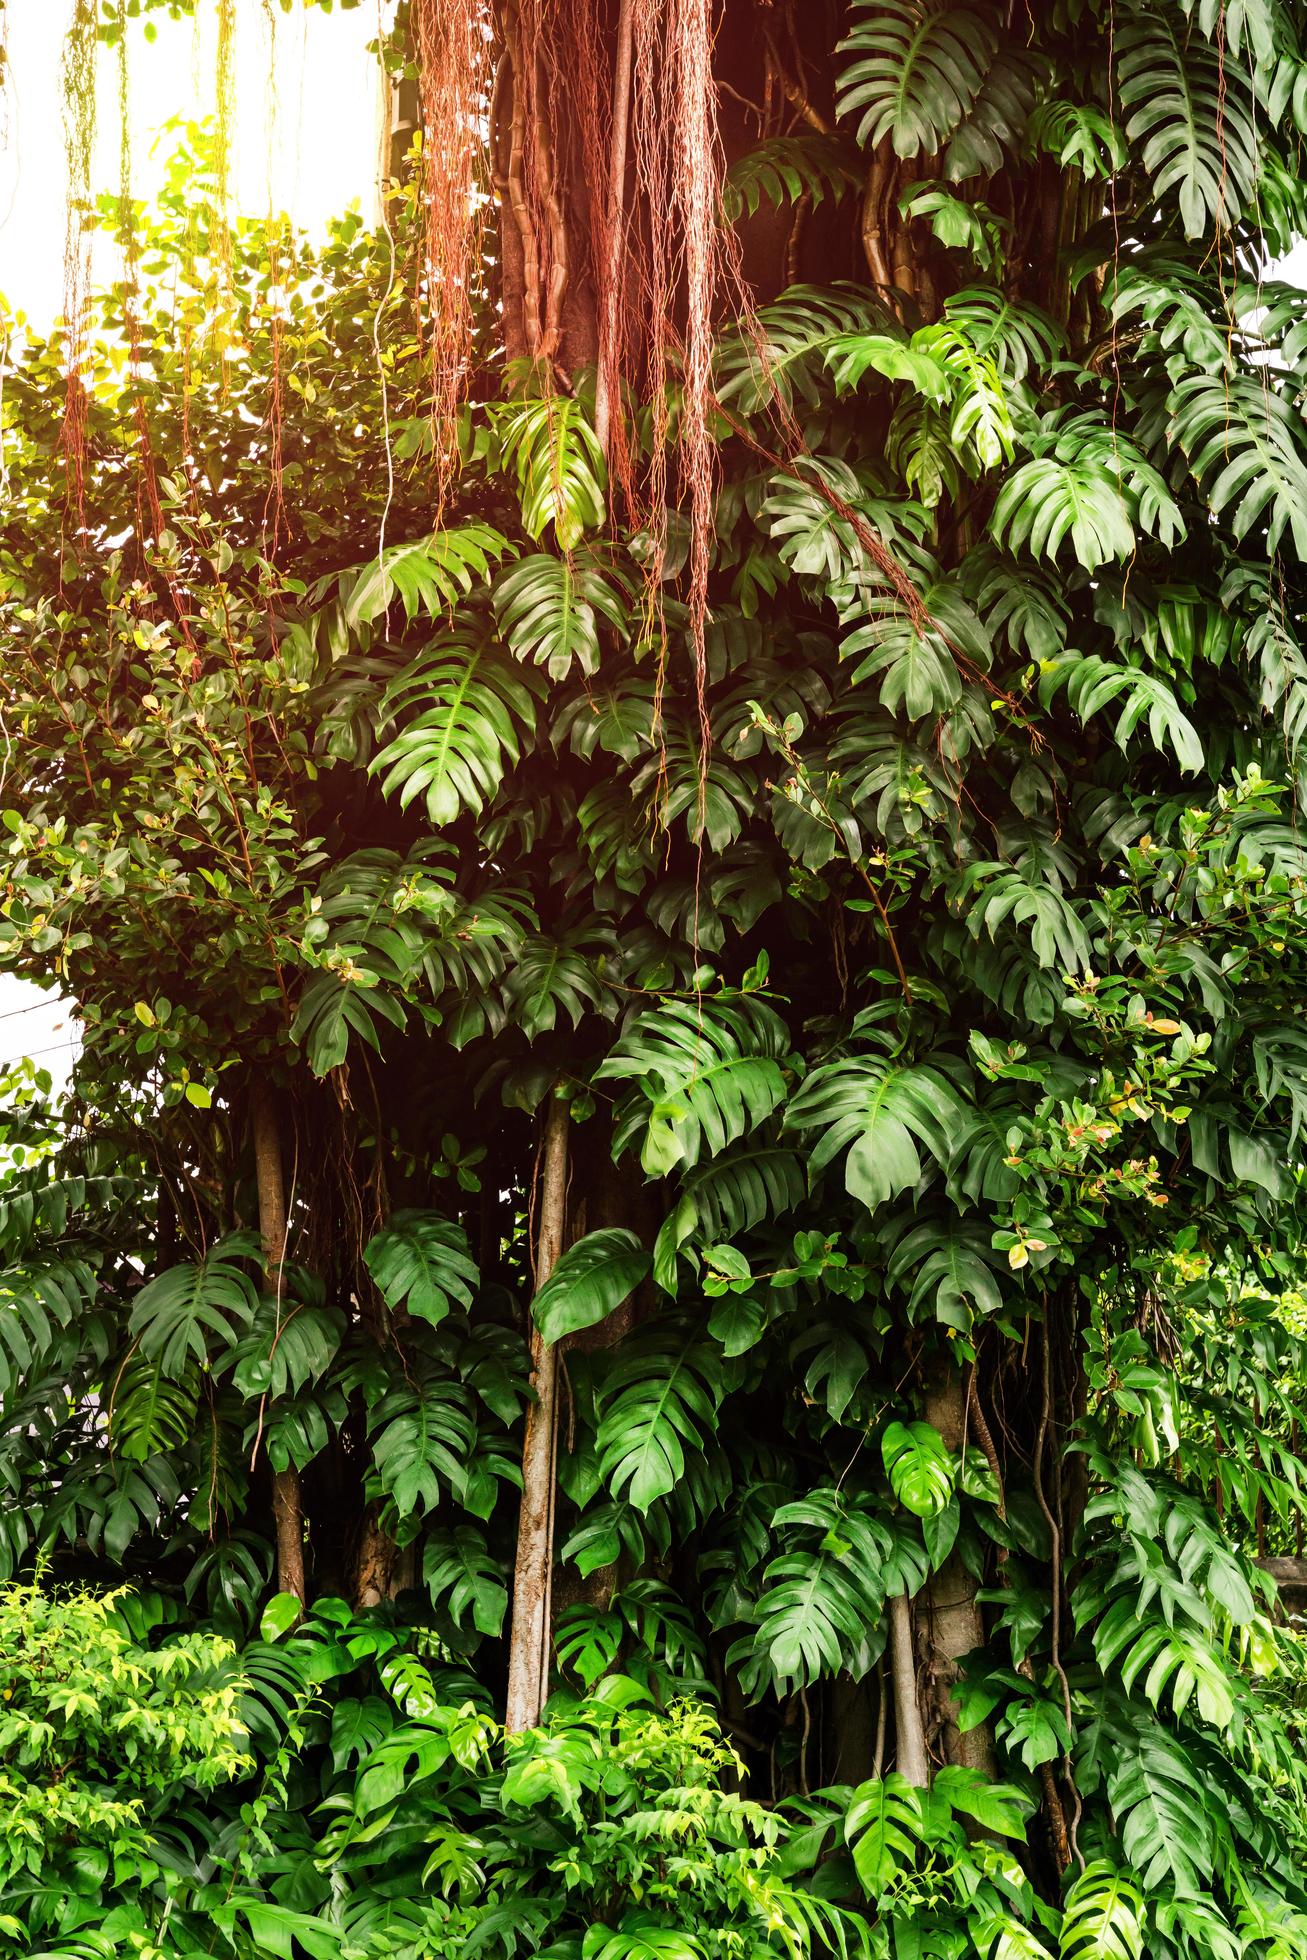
[[918, 1466], [281, 1613]]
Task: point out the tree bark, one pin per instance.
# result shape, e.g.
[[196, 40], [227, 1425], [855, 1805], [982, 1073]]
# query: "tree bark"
[[602, 1196], [287, 1499], [950, 1621], [382, 1569], [528, 1658], [910, 1758]]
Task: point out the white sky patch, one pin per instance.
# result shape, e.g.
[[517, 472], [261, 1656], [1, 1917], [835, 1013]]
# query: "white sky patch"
[[305, 138], [38, 1025]]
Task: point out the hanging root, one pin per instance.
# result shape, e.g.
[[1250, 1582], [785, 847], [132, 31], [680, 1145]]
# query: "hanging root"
[[691, 267], [149, 511], [608, 257], [454, 75], [223, 120], [78, 84]]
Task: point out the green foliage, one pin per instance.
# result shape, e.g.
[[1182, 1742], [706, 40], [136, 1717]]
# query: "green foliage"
[[608, 1830], [886, 1114], [657, 1400], [821, 1599], [918, 70], [422, 1263], [182, 1315], [428, 576], [590, 1281], [918, 1467], [557, 465], [463, 708], [101, 1736], [423, 1433], [1194, 125], [707, 1071], [900, 888], [551, 609]]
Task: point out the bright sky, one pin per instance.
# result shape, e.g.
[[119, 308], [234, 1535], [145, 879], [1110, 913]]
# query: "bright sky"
[[310, 148], [307, 144]]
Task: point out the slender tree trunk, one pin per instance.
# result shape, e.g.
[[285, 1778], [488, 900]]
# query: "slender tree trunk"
[[602, 1196], [949, 1615], [287, 1501], [382, 1568], [910, 1755], [528, 1658]]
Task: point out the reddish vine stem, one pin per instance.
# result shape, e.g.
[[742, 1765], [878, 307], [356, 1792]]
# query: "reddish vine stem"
[[607, 379]]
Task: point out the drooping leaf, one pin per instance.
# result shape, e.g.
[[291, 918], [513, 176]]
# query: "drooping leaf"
[[590, 1281], [423, 1264]]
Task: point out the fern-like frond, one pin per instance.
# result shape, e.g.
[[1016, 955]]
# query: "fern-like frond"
[[727, 1197], [558, 974], [1079, 134], [554, 457], [150, 1411], [657, 1400], [463, 709], [706, 1072], [423, 1435], [428, 577], [994, 126], [787, 168], [463, 1578], [195, 1312], [1190, 116], [550, 609], [1246, 446], [1092, 684], [38, 1300], [821, 1600], [1090, 487], [918, 68], [1104, 1918]]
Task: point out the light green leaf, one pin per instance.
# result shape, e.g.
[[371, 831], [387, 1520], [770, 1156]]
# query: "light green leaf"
[[919, 1468]]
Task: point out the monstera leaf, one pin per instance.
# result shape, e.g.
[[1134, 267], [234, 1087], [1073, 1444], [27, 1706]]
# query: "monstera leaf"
[[422, 1263], [591, 1279]]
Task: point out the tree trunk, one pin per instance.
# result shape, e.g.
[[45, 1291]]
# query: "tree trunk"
[[602, 1196], [382, 1569], [528, 1658], [287, 1501], [910, 1758], [949, 1618], [614, 218]]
